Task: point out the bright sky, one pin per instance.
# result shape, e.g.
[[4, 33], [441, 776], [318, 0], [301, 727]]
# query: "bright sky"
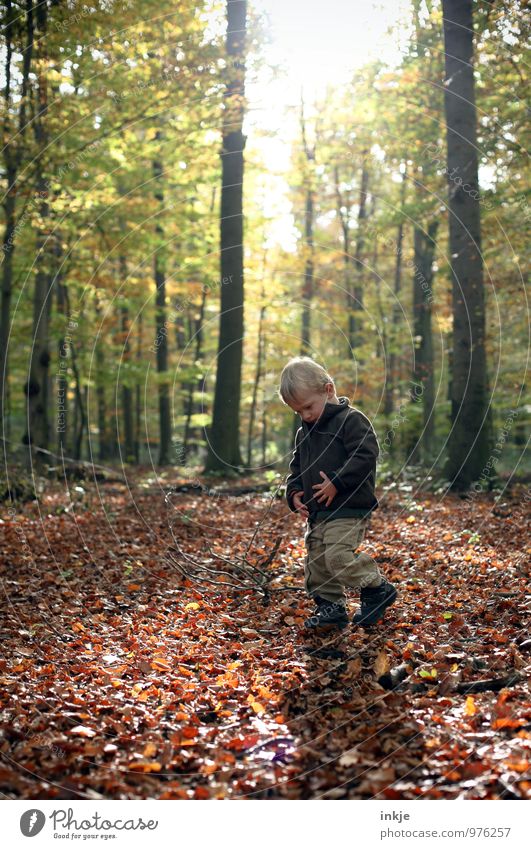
[[318, 42]]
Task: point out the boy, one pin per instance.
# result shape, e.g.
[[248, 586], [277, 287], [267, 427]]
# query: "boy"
[[331, 483]]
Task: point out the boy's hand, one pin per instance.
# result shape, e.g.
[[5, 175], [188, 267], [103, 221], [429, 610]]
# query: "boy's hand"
[[326, 491], [298, 504]]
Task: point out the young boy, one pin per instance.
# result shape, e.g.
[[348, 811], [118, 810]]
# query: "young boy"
[[331, 483]]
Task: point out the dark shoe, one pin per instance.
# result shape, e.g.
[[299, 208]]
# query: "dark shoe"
[[374, 601], [329, 615]]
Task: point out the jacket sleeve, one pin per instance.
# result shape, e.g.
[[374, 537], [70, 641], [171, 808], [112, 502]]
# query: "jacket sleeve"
[[294, 481], [362, 446]]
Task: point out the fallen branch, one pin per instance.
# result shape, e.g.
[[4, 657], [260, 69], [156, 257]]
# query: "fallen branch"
[[495, 684]]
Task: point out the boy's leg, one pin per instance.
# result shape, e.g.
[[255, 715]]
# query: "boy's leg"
[[318, 579], [341, 538]]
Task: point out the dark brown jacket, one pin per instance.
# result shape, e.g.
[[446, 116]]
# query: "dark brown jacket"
[[342, 443]]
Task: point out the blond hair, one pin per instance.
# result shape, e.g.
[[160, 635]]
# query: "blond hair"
[[301, 375]]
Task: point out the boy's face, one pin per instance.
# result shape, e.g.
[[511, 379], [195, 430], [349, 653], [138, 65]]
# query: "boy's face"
[[310, 404]]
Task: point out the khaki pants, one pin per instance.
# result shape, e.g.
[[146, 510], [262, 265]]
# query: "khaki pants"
[[331, 562]]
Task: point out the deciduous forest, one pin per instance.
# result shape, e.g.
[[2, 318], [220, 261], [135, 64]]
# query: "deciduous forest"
[[185, 209]]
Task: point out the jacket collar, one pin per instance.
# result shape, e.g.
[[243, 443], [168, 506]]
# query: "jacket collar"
[[329, 411]]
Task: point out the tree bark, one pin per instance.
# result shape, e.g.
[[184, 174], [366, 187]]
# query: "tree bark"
[[12, 151], [36, 387], [391, 375], [194, 384], [309, 203], [161, 346], [259, 369], [469, 436], [356, 307], [104, 449], [223, 434], [423, 378], [344, 207], [127, 392]]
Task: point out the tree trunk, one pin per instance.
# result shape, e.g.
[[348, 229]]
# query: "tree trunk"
[[391, 375], [161, 346], [127, 393], [344, 207], [138, 399], [423, 378], [37, 385], [104, 449], [62, 376], [258, 371], [223, 434], [80, 419], [194, 384], [469, 436], [356, 308], [12, 150], [309, 203]]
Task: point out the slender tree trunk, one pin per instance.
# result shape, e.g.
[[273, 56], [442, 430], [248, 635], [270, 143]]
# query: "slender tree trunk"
[[194, 384], [161, 325], [103, 446], [391, 375], [469, 436], [80, 420], [264, 423], [62, 376], [101, 406], [138, 399], [12, 151], [423, 377], [309, 203], [127, 393], [127, 396], [223, 435], [37, 385], [344, 207], [356, 308], [258, 371]]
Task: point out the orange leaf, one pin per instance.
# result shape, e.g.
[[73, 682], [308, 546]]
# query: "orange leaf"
[[145, 766], [161, 663], [507, 722], [470, 706], [240, 743]]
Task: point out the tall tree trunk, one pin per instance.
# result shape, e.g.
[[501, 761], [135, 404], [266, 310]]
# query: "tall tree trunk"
[[36, 387], [80, 418], [104, 449], [127, 392], [423, 377], [344, 207], [161, 325], [264, 422], [258, 371], [194, 384], [469, 436], [356, 308], [62, 376], [223, 435], [391, 375], [138, 399], [309, 203], [13, 149]]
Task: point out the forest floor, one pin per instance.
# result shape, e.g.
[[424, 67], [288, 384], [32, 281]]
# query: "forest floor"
[[122, 679]]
